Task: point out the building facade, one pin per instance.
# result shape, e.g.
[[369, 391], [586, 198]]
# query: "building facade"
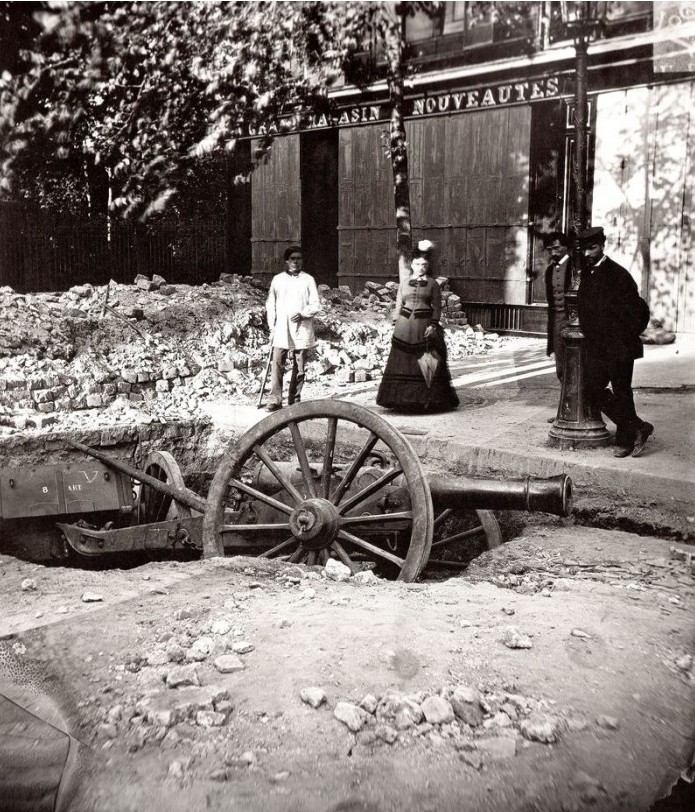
[[490, 132]]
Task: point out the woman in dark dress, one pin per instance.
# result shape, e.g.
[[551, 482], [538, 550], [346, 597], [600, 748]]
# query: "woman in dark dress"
[[417, 377]]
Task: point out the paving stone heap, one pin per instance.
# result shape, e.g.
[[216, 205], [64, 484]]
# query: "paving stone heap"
[[381, 298], [164, 349]]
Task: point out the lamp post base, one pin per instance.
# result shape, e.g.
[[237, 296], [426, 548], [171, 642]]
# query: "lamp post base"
[[566, 435], [578, 423]]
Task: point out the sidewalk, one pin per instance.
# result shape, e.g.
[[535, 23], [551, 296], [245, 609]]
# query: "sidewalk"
[[501, 428]]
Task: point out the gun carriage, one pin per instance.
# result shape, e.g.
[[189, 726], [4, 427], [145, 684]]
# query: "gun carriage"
[[316, 480]]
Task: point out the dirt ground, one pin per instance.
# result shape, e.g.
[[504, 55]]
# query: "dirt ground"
[[592, 710]]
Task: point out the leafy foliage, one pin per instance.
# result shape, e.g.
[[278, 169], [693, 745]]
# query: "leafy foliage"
[[141, 91]]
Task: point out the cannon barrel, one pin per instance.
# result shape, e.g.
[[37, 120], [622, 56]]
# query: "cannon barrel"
[[551, 495]]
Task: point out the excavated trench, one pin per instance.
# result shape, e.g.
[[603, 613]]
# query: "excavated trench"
[[198, 447]]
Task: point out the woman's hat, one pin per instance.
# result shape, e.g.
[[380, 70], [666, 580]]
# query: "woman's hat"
[[423, 249]]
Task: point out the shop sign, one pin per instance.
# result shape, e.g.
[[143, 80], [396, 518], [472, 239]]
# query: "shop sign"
[[484, 97]]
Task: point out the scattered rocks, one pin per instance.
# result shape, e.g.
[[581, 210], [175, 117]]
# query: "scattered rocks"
[[336, 570], [369, 703], [229, 663], [350, 715], [540, 727], [513, 638], [28, 585], [242, 647], [386, 733], [313, 696], [91, 597], [437, 710], [181, 676]]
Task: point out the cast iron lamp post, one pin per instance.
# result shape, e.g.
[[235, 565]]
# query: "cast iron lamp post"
[[578, 422]]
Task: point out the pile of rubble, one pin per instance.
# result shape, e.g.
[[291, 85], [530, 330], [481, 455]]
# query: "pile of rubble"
[[159, 347], [382, 298]]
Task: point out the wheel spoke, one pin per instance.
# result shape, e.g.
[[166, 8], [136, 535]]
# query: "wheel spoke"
[[328, 455], [343, 556], [301, 455], [442, 516], [253, 528], [262, 454], [371, 548], [466, 534], [370, 490], [311, 559], [262, 497], [377, 518], [323, 556], [351, 473], [279, 547], [297, 555]]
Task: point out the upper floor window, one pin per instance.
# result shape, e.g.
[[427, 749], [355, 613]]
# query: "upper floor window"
[[466, 24], [475, 23]]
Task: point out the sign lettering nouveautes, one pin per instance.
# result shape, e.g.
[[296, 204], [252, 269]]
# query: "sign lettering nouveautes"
[[437, 103]]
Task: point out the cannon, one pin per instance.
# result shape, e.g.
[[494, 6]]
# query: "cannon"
[[317, 480]]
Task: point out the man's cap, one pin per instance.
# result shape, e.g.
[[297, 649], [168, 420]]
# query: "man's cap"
[[293, 249], [592, 236]]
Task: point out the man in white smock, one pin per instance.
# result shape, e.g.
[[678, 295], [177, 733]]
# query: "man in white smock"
[[293, 301]]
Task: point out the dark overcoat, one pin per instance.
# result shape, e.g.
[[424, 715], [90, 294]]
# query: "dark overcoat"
[[611, 312], [550, 300]]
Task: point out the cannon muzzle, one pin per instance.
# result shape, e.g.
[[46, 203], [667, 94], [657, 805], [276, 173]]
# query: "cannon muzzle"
[[551, 495]]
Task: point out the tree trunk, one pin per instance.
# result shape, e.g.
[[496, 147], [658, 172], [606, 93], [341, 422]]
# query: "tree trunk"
[[401, 187]]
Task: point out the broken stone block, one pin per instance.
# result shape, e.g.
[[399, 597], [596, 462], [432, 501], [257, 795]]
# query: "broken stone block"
[[229, 663], [313, 696], [350, 715], [158, 281], [181, 676], [437, 710], [540, 727], [144, 283]]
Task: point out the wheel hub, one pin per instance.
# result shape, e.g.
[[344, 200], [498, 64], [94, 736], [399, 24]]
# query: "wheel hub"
[[315, 523]]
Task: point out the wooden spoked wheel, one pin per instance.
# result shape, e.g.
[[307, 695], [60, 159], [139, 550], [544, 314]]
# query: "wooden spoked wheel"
[[153, 505], [304, 487], [460, 536]]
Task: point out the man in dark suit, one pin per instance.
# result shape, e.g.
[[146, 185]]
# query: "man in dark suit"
[[558, 278], [612, 315]]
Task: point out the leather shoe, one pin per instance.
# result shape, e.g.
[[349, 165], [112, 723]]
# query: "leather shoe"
[[622, 451], [273, 407], [551, 420], [644, 432]]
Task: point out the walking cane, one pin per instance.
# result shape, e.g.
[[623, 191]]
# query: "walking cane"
[[265, 374]]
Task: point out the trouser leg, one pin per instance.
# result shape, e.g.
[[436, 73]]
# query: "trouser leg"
[[277, 369], [297, 377], [595, 382], [619, 404]]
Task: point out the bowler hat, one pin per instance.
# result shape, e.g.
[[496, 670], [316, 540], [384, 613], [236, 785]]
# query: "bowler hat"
[[592, 236], [293, 249]]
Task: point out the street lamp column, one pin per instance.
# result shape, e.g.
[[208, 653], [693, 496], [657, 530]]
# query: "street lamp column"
[[578, 422]]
